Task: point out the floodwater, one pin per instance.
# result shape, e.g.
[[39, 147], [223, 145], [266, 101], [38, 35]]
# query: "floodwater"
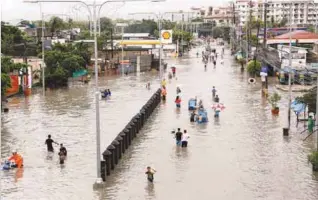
[[241, 156]]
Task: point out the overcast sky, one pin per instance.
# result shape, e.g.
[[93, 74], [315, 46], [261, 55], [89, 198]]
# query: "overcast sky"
[[13, 10]]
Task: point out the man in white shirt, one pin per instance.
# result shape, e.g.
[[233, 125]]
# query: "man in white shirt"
[[184, 140]]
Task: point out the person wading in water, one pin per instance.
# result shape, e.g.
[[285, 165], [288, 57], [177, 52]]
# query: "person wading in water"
[[150, 174], [178, 137], [49, 143], [62, 154]]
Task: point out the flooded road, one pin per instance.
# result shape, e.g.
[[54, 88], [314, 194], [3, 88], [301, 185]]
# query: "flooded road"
[[241, 156]]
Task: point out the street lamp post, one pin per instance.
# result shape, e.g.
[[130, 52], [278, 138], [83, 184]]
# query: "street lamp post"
[[287, 128], [97, 93]]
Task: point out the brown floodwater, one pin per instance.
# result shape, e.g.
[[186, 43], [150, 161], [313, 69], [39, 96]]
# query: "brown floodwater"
[[242, 155]]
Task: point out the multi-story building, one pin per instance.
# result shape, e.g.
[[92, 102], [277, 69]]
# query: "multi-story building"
[[297, 12], [219, 16]]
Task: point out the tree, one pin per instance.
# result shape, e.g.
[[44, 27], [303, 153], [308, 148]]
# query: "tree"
[[10, 36], [309, 99], [63, 60], [167, 24], [106, 24], [56, 24], [254, 67], [16, 43], [143, 26], [8, 66], [217, 32], [253, 39]]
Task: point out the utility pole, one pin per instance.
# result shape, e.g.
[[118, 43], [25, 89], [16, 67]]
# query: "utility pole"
[[112, 42], [287, 128], [182, 33], [265, 24]]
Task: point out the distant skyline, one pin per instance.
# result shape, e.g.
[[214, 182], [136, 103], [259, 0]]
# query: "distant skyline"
[[14, 10]]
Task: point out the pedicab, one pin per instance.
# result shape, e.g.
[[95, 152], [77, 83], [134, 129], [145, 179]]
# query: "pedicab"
[[192, 104], [202, 116]]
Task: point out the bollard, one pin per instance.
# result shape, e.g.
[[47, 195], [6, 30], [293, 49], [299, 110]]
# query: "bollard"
[[136, 120], [133, 129], [103, 170], [116, 144], [111, 148], [125, 141], [127, 132], [121, 143], [107, 155], [142, 117]]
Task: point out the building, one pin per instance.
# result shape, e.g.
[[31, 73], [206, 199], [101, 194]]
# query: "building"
[[298, 12], [246, 8], [219, 16]]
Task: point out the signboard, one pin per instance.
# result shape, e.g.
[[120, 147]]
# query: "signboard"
[[166, 36]]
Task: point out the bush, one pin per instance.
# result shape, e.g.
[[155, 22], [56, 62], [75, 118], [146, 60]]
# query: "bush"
[[313, 158], [274, 99], [254, 67]]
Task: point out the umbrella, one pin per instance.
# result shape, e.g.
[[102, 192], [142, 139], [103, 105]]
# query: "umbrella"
[[218, 107]]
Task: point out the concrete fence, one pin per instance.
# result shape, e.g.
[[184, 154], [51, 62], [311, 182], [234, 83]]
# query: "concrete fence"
[[115, 151]]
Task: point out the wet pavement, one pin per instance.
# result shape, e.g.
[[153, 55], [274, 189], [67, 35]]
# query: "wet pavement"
[[241, 156]]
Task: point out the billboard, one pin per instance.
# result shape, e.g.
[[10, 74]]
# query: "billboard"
[[166, 36]]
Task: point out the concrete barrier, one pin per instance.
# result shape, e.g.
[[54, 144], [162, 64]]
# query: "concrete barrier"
[[114, 152]]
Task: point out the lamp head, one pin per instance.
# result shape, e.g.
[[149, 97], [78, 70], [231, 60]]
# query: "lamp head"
[[30, 1]]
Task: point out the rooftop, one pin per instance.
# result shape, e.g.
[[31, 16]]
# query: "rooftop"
[[300, 34]]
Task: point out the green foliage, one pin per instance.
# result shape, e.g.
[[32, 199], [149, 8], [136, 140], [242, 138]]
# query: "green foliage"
[[10, 36], [221, 32], [8, 66], [56, 24], [178, 34], [254, 67], [198, 19], [311, 28], [16, 43], [313, 158], [5, 83], [309, 99], [106, 24], [63, 60], [103, 40], [274, 99], [143, 26], [253, 39]]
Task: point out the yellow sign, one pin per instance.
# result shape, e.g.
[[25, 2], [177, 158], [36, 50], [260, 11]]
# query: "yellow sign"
[[166, 36]]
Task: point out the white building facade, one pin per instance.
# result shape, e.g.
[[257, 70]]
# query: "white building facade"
[[297, 12]]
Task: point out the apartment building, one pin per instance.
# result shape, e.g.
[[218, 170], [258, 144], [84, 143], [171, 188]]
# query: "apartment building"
[[297, 12]]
